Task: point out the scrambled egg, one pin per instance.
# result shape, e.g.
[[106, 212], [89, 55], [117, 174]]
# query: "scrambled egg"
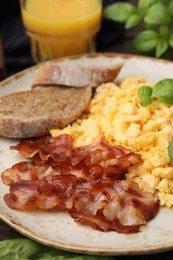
[[116, 112]]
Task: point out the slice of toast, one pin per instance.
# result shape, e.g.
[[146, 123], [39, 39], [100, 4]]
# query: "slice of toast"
[[34, 112], [75, 75]]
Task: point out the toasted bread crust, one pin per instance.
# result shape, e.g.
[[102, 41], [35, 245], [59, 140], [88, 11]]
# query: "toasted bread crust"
[[77, 76], [34, 112]]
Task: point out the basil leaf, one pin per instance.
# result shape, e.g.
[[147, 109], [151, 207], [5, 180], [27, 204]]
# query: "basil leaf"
[[170, 150], [144, 93], [161, 47], [133, 20], [170, 8], [146, 40], [119, 11], [163, 90], [158, 14], [148, 26], [143, 5], [171, 40], [19, 249], [165, 31]]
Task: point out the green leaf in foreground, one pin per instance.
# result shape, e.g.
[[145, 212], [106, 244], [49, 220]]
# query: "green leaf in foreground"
[[119, 11], [26, 249], [170, 150], [163, 90], [54, 254], [144, 93], [22, 249]]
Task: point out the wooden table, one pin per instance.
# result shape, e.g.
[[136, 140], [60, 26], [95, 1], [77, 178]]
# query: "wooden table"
[[123, 46]]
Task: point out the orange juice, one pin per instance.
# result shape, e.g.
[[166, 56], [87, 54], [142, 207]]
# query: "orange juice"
[[61, 27]]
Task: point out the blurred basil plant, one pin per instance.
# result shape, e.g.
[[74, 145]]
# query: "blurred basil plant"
[[155, 18]]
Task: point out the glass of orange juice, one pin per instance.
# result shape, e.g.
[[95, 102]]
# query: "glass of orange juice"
[[59, 28]]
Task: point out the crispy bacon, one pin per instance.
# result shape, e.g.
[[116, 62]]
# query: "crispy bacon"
[[50, 192], [119, 203], [26, 171], [85, 181], [58, 150], [94, 161], [104, 205]]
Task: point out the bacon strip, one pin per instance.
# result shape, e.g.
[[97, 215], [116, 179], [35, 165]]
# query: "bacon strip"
[[85, 181], [104, 205], [47, 148], [118, 203], [26, 171], [94, 161], [55, 191]]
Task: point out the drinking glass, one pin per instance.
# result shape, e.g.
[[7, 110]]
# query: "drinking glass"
[[59, 28]]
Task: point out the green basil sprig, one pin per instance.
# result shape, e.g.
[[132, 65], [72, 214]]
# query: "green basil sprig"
[[163, 91]]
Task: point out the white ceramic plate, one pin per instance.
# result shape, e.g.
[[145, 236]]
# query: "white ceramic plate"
[[58, 229]]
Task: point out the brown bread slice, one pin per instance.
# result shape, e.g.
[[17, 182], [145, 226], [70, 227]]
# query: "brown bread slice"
[[34, 112], [75, 75]]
